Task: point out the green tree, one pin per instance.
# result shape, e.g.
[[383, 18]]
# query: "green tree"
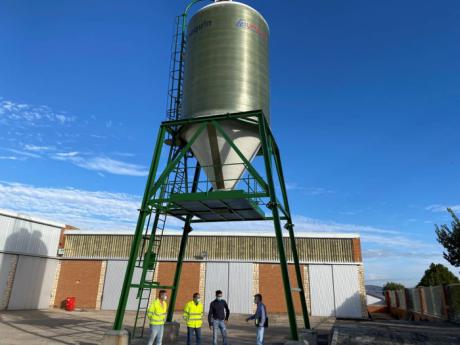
[[438, 275], [393, 286], [450, 239]]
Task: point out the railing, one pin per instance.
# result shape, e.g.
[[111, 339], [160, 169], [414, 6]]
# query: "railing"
[[426, 303]]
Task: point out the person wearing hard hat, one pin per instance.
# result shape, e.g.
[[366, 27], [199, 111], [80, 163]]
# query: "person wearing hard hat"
[[260, 318], [157, 315], [193, 315]]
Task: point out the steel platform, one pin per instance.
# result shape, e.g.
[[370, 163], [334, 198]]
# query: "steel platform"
[[232, 205]]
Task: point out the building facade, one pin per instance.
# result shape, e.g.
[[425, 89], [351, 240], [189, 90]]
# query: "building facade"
[[28, 260], [43, 262], [240, 264]]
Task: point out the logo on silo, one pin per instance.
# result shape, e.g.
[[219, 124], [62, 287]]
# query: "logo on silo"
[[199, 27], [244, 24]]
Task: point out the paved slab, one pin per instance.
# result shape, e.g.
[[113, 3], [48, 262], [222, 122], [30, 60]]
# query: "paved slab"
[[87, 328], [396, 332]]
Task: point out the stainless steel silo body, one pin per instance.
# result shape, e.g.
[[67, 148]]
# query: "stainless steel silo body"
[[226, 71]]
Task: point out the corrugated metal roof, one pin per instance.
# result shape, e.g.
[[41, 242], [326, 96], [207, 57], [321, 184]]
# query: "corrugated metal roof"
[[298, 234], [216, 248], [28, 218]]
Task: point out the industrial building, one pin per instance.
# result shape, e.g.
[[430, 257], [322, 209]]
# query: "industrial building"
[[28, 260], [42, 263]]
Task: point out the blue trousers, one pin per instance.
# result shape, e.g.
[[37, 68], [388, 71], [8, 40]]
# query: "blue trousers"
[[219, 324], [260, 335], [190, 332], [156, 332]]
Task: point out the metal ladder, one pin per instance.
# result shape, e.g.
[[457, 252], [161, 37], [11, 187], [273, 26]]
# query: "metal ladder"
[[176, 182]]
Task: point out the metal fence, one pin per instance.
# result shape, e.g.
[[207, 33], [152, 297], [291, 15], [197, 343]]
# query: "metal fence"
[[453, 294], [439, 302]]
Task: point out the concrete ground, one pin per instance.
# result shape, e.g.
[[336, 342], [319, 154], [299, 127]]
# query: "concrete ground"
[[395, 332], [52, 327], [87, 328]]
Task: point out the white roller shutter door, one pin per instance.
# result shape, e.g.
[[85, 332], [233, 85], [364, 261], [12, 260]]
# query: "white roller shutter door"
[[216, 279], [33, 283], [321, 290], [346, 291], [113, 282], [240, 298]]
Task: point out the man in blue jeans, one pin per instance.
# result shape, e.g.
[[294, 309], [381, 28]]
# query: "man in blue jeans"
[[217, 317], [260, 317]]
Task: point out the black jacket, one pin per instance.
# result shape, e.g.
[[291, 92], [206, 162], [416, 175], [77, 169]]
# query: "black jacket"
[[218, 310]]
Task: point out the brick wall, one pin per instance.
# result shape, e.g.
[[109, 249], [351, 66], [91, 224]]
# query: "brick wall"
[[79, 279], [306, 287], [202, 284], [357, 250], [55, 284], [255, 283], [189, 284], [11, 269], [100, 285], [362, 291], [271, 287]]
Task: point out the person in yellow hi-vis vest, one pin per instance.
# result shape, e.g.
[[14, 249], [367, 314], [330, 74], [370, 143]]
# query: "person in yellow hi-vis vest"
[[193, 315], [157, 315]]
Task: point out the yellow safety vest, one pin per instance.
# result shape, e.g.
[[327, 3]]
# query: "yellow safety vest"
[[193, 314], [157, 312]]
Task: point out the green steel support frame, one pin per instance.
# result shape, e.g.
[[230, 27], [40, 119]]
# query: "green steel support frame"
[[155, 199], [183, 246]]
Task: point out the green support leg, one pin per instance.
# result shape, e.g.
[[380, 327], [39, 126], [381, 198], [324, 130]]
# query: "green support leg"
[[278, 229], [183, 247], [143, 213], [290, 228], [180, 260]]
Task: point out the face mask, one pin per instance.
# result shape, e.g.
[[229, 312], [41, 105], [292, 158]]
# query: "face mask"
[[164, 298], [219, 298], [197, 300]]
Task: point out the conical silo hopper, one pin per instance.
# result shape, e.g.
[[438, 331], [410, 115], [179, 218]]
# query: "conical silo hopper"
[[226, 71]]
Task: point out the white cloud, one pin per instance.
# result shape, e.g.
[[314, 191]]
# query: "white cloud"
[[384, 253], [65, 155], [113, 166], [27, 124], [102, 164], [81, 208], [313, 191], [24, 154], [384, 250], [442, 208], [36, 148], [32, 115]]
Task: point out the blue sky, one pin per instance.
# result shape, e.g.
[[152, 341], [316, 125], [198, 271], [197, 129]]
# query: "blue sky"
[[365, 106]]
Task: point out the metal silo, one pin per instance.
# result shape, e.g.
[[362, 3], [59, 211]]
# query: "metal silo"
[[226, 71]]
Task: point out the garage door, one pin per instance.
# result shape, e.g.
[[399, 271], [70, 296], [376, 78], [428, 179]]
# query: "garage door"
[[33, 283], [7, 264], [346, 291], [216, 279], [235, 281], [321, 290], [240, 294], [113, 282]]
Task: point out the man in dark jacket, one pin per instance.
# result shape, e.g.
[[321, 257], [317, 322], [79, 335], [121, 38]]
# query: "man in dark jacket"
[[218, 317]]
